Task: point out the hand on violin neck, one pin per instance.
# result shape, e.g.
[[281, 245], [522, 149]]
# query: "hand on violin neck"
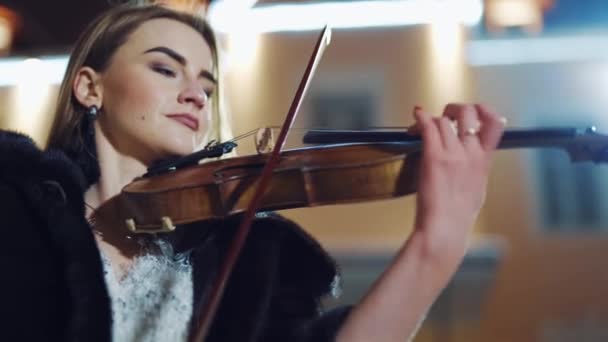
[[453, 172]]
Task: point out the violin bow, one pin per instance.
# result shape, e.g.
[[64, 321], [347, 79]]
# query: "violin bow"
[[211, 305]]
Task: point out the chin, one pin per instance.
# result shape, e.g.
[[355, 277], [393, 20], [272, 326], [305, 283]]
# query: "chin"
[[180, 147], [173, 144]]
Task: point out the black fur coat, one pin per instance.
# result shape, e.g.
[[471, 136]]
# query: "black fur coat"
[[53, 287]]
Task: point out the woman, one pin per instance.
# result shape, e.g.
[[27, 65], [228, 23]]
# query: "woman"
[[134, 94]]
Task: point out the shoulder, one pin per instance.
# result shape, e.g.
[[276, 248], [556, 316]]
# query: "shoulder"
[[46, 241], [24, 166]]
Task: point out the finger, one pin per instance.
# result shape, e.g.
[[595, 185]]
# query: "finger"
[[428, 130], [414, 129], [448, 134], [467, 120], [493, 126]]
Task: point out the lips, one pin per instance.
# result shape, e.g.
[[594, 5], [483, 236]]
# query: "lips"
[[185, 119]]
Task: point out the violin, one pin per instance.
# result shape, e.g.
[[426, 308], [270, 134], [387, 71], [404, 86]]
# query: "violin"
[[350, 166]]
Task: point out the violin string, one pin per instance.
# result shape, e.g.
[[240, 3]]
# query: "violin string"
[[254, 131], [247, 134], [243, 136]]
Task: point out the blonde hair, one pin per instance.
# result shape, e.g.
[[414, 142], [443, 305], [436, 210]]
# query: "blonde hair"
[[95, 48]]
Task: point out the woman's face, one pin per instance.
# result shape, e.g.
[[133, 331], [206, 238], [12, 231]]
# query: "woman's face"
[[156, 91]]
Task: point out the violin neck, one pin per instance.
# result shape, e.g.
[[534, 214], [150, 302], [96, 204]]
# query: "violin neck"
[[538, 137], [512, 138]]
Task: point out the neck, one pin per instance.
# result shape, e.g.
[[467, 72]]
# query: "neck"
[[116, 171]]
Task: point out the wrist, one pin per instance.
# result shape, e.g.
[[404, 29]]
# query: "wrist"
[[441, 253]]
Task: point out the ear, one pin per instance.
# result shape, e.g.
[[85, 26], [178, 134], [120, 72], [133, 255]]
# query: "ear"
[[87, 87]]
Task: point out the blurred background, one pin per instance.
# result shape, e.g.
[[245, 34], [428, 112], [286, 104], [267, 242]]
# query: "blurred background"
[[537, 268]]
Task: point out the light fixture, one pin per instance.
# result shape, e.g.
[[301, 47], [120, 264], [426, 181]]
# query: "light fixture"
[[524, 14], [9, 22], [339, 14], [296, 17], [45, 70], [6, 34]]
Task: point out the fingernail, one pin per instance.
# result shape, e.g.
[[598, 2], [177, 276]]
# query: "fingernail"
[[417, 108], [503, 121]]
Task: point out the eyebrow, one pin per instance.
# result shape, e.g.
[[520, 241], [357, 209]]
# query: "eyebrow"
[[181, 60]]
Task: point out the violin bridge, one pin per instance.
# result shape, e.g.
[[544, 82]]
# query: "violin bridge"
[[166, 226], [264, 140]]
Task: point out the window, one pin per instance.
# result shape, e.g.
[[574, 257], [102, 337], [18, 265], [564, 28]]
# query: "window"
[[353, 110], [345, 99]]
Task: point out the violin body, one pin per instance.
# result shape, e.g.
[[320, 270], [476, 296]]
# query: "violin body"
[[303, 178]]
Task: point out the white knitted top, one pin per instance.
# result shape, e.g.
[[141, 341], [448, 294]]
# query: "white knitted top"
[[153, 301]]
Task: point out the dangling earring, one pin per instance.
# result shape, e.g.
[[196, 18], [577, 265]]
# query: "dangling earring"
[[92, 112], [91, 115]]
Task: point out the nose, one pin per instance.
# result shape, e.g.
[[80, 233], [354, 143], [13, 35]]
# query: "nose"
[[195, 95]]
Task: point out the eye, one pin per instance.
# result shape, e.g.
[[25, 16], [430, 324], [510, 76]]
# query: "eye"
[[209, 92], [163, 70]]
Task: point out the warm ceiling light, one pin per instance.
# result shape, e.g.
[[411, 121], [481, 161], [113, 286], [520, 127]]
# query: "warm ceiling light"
[[191, 6], [8, 26], [509, 13], [6, 34], [526, 14]]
